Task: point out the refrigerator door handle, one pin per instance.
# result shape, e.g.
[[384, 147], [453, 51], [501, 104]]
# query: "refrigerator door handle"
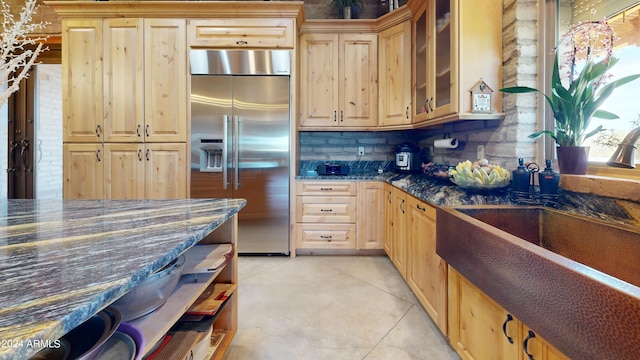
[[225, 142], [236, 152]]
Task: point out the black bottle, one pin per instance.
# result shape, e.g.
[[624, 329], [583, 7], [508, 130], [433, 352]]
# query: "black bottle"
[[548, 180], [520, 177]]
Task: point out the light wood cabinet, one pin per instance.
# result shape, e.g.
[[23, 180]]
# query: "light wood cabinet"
[[242, 33], [139, 65], [395, 75], [123, 80], [124, 171], [165, 76], [370, 215], [388, 220], [426, 271], [340, 215], [457, 43], [399, 230], [82, 80], [326, 213], [338, 80], [479, 328], [139, 126], [83, 171]]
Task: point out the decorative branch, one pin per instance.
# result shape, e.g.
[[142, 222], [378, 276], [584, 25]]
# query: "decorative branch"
[[17, 47]]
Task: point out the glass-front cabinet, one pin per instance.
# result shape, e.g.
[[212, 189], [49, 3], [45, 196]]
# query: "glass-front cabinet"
[[457, 44]]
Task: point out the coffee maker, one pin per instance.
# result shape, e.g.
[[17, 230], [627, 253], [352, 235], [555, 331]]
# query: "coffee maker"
[[407, 157]]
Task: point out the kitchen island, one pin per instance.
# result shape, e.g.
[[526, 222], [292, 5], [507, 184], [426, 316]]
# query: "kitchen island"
[[61, 261]]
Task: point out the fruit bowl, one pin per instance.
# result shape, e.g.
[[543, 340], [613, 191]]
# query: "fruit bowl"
[[479, 175]]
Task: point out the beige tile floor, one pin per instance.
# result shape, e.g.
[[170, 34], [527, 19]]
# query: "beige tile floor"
[[330, 307]]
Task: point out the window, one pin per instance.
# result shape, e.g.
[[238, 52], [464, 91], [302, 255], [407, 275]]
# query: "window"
[[624, 16]]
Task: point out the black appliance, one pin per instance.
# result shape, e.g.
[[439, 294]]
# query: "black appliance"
[[407, 158]]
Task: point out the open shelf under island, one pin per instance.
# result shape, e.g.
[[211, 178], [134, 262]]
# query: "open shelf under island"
[[65, 260]]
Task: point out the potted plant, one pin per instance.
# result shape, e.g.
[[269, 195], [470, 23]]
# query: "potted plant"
[[346, 9], [579, 98]]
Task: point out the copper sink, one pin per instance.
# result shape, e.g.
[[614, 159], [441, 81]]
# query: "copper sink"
[[572, 279]]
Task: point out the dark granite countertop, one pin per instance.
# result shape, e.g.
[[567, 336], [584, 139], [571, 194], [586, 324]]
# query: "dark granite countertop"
[[442, 192], [61, 261]]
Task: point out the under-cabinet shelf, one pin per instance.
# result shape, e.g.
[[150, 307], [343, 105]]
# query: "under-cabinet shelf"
[[443, 72], [189, 288]]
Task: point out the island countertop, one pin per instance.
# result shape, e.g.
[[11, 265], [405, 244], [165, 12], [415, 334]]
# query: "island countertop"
[[61, 261]]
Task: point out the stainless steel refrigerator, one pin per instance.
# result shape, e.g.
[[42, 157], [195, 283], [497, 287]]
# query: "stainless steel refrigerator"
[[240, 127]]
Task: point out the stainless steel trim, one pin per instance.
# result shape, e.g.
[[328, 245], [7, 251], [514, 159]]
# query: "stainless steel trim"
[[240, 62]]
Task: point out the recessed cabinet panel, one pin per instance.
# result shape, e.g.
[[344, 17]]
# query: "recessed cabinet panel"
[[123, 80], [165, 80], [321, 209], [124, 171], [83, 171], [82, 80], [395, 75], [242, 33]]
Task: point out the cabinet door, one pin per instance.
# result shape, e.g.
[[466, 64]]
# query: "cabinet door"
[[82, 80], [535, 347], [389, 226], [123, 80], [83, 171], [124, 171], [395, 75], [444, 82], [479, 328], [400, 231], [318, 80], [242, 33], [370, 215], [420, 52], [426, 271], [166, 171], [358, 85], [165, 77]]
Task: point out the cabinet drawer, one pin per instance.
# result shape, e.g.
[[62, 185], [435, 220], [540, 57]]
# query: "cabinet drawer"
[[243, 33], [326, 236], [328, 188], [320, 209]]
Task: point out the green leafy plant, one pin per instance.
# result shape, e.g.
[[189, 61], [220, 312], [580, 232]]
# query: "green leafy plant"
[[574, 105]]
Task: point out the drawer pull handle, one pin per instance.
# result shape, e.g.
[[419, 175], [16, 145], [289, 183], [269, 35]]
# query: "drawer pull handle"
[[504, 328], [326, 237], [326, 189], [421, 208], [526, 344], [241, 42], [326, 210]]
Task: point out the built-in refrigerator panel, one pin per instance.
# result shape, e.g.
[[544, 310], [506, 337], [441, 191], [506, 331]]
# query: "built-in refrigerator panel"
[[240, 132]]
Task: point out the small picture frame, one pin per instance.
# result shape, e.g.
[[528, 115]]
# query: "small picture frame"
[[481, 98]]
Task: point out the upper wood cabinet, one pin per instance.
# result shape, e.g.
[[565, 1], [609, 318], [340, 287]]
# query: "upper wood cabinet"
[[457, 43], [338, 81], [165, 76], [242, 33], [82, 80], [395, 75], [124, 80]]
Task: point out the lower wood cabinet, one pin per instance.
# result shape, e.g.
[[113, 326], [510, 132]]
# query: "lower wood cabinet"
[[339, 215], [480, 329], [388, 220], [125, 171], [426, 271], [399, 230]]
